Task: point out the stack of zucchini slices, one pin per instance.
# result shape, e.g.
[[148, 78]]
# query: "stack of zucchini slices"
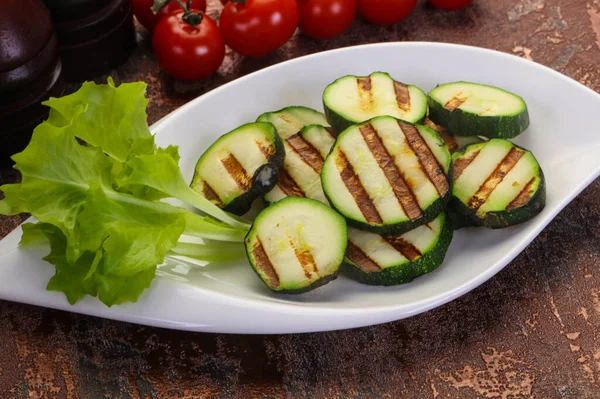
[[375, 185]]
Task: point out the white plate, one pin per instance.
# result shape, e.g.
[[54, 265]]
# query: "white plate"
[[563, 135]]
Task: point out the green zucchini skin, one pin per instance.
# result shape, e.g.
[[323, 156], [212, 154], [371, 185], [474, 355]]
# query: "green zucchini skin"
[[462, 123], [429, 215], [407, 272], [459, 220], [269, 171], [464, 216], [290, 120], [242, 204], [339, 123], [319, 283]]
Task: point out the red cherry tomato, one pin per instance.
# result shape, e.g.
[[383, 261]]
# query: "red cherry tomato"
[[186, 52], [255, 28], [324, 19], [142, 9], [451, 5], [224, 2], [385, 12]]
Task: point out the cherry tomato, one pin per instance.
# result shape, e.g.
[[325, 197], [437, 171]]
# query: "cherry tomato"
[[324, 19], [255, 28], [187, 52], [224, 2], [451, 5], [142, 9], [385, 12]]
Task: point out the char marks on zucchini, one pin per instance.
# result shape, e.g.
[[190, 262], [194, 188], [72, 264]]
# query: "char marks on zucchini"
[[497, 184], [406, 248], [240, 167], [523, 197], [448, 138], [358, 257], [305, 154], [402, 96], [429, 163], [403, 193], [237, 172], [497, 176], [263, 263], [309, 154], [390, 260], [288, 185], [461, 163], [355, 99], [471, 109], [356, 190], [384, 175], [297, 244]]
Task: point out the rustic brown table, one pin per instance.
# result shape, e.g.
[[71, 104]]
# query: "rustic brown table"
[[531, 331]]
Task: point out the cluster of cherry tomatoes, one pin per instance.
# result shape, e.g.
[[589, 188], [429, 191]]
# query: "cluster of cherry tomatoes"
[[189, 46]]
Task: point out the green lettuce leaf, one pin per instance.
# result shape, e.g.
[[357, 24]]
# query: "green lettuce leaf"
[[98, 204], [140, 190], [161, 173], [105, 116], [12, 204], [77, 198], [56, 174], [34, 235], [134, 234], [88, 275], [68, 278]]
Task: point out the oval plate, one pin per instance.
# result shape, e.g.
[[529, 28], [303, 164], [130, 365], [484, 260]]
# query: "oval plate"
[[231, 299]]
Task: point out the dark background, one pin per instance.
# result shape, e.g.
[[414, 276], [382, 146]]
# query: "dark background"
[[531, 331]]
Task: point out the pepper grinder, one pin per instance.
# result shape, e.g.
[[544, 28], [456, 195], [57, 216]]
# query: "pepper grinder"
[[30, 72], [94, 36]]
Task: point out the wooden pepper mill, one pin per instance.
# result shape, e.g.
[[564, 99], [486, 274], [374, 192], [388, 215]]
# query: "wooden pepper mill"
[[30, 72]]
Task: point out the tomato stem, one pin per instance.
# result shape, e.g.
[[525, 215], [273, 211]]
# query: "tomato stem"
[[159, 4], [189, 17]]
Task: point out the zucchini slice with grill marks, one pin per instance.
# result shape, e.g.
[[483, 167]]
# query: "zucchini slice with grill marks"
[[239, 167], [391, 260], [300, 176], [355, 99], [497, 184], [471, 109], [387, 176], [289, 121], [297, 244]]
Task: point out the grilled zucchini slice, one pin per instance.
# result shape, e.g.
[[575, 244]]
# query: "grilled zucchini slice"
[[301, 172], [296, 245], [471, 109], [497, 184], [355, 99], [387, 176], [391, 260], [240, 166], [289, 121]]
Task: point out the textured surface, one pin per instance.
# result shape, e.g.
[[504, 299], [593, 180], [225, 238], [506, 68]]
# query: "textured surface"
[[532, 331]]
